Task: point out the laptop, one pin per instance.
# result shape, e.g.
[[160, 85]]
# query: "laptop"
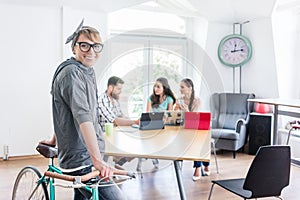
[[174, 118], [152, 121], [197, 120]]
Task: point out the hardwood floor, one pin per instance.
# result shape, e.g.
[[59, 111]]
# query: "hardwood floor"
[[161, 184]]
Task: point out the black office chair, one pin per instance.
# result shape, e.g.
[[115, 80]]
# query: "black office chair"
[[268, 174]]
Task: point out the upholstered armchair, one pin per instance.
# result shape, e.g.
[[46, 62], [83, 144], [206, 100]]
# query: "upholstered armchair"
[[230, 116]]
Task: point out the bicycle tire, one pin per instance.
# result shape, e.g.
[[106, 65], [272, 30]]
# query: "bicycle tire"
[[25, 184]]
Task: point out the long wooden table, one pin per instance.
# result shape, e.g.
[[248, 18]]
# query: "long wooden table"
[[171, 143]]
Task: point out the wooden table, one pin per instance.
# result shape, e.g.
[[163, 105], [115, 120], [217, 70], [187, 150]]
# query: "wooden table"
[[171, 143], [295, 103]]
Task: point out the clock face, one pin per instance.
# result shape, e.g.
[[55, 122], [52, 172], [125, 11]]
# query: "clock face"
[[234, 50]]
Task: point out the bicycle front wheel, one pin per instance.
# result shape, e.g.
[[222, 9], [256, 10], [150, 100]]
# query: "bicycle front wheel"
[[27, 186]]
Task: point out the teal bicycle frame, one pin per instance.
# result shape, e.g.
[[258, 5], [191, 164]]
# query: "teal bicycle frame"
[[50, 181]]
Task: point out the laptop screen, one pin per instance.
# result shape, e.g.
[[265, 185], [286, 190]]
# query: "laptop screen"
[[152, 121]]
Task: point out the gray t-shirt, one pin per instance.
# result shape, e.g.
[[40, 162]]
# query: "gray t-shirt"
[[74, 101]]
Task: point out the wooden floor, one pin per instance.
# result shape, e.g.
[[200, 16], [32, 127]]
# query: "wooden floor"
[[162, 183]]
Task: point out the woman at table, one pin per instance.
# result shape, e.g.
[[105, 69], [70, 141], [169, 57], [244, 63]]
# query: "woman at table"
[[160, 100], [189, 102]]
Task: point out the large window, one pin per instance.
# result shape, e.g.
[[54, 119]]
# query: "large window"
[[143, 46], [139, 61]]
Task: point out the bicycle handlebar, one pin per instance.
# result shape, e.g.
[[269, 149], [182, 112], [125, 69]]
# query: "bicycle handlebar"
[[85, 177]]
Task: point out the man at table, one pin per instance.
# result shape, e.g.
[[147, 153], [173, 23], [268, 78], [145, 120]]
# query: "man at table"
[[110, 110]]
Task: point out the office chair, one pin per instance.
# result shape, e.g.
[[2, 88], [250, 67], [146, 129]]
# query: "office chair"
[[268, 174], [231, 112]]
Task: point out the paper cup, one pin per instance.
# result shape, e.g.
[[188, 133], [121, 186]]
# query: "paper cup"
[[109, 127]]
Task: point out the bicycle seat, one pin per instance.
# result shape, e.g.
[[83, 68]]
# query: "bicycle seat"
[[47, 151]]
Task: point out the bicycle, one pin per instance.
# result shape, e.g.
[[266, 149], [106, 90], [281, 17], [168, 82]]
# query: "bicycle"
[[31, 184]]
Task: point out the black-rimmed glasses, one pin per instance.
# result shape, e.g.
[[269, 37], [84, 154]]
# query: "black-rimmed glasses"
[[85, 47]]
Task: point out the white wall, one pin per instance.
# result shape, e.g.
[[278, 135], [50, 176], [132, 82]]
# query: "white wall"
[[208, 80], [260, 74], [31, 48], [29, 56], [286, 41]]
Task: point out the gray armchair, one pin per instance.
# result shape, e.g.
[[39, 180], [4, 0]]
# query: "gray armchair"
[[230, 112]]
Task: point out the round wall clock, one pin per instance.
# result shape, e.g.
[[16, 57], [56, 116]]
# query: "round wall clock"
[[234, 50]]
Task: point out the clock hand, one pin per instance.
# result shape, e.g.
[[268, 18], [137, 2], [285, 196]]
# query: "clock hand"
[[236, 50]]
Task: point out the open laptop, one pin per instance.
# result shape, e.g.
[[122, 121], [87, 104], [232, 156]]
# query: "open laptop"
[[152, 121], [174, 118], [197, 120]]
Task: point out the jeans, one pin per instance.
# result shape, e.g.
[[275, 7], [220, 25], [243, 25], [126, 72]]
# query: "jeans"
[[105, 193], [199, 163]]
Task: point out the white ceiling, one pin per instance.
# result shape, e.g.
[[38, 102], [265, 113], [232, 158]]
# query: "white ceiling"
[[223, 11], [234, 10]]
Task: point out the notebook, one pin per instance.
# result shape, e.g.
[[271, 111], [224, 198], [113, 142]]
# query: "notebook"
[[152, 121], [174, 118], [197, 120]]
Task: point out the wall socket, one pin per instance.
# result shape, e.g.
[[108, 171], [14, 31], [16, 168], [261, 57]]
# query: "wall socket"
[[5, 152]]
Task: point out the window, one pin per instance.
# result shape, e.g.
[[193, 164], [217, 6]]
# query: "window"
[[143, 47], [139, 61]]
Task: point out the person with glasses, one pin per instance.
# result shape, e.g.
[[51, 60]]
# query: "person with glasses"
[[78, 134], [110, 111], [188, 102]]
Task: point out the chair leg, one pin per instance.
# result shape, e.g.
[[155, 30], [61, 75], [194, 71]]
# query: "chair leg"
[[215, 154], [139, 167], [211, 189], [234, 154]]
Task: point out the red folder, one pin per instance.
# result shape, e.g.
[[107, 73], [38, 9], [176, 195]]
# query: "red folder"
[[197, 120]]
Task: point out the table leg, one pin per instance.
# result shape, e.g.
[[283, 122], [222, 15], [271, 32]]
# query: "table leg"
[[275, 125], [179, 179]]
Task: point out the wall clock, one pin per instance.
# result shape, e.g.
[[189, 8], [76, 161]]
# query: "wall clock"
[[234, 50]]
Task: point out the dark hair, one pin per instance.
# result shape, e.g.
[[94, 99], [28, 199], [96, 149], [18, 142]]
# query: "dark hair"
[[189, 83], [167, 91], [114, 80]]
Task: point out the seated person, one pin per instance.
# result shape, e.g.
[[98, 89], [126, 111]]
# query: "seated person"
[[160, 100], [110, 111], [189, 102]]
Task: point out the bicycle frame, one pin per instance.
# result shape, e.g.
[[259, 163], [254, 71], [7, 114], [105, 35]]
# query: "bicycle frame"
[[43, 185], [50, 182]]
